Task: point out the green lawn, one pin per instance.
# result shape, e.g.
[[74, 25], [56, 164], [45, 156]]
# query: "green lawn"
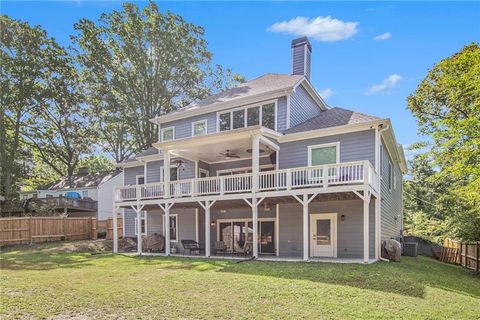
[[39, 283]]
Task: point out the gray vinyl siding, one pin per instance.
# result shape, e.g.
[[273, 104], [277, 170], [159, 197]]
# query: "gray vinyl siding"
[[130, 174], [349, 232], [153, 172], [391, 206], [130, 223], [302, 106], [183, 127], [355, 146], [282, 114], [245, 163], [298, 61]]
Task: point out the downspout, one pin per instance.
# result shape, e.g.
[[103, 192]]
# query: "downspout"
[[378, 138]]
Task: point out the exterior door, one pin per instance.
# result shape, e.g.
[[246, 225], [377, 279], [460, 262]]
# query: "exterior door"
[[323, 235]]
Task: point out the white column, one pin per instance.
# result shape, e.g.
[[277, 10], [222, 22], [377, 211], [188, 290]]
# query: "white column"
[[305, 227], [277, 229], [196, 225], [207, 228], [255, 161], [115, 230], [365, 227], [255, 225], [166, 172], [139, 230], [167, 229], [377, 227]]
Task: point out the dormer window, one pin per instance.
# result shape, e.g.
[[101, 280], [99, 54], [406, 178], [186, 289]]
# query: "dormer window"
[[168, 134], [247, 117]]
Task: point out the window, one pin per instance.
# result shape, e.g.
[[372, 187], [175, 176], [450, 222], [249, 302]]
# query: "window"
[[173, 225], [248, 116], [224, 121], [140, 179], [199, 128], [168, 134], [390, 175], [323, 154], [394, 181], [239, 119], [253, 116], [268, 116], [173, 174], [84, 193], [203, 173], [143, 218], [48, 196]]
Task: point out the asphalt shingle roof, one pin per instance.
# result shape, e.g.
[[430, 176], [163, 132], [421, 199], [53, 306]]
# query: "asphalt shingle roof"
[[332, 118], [148, 152], [266, 83]]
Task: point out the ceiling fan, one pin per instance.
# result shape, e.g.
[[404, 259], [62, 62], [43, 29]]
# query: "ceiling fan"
[[228, 154]]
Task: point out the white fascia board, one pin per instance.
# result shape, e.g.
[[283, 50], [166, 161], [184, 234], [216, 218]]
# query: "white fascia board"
[[221, 106], [330, 131], [392, 146], [313, 93]]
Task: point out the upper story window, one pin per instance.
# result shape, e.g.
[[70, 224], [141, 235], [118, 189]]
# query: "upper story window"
[[140, 179], [199, 128], [323, 154], [390, 175], [248, 116], [168, 134]]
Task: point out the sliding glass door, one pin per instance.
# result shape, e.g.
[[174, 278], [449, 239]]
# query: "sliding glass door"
[[235, 234]]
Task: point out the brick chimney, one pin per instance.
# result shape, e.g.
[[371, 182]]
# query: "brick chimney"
[[301, 56]]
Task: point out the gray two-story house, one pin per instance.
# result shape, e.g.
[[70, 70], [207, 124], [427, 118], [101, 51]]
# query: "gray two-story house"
[[267, 169]]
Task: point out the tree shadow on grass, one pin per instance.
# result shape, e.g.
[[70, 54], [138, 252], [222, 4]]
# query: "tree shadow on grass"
[[409, 277]]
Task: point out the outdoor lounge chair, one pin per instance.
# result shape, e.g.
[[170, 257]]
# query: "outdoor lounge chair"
[[220, 247], [191, 246]]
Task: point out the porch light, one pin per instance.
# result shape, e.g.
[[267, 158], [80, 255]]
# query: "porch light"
[[266, 207], [342, 217], [212, 224], [180, 164]]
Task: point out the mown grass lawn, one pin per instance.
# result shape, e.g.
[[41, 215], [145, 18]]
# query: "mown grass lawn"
[[40, 283]]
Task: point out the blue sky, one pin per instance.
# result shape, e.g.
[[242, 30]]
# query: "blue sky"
[[367, 56]]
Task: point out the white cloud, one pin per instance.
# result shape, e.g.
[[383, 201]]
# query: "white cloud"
[[326, 93], [319, 28], [383, 36], [390, 82]]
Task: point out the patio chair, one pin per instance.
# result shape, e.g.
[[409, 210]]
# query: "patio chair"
[[220, 247], [191, 246], [248, 248]]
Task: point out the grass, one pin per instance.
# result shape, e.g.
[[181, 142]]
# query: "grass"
[[41, 282]]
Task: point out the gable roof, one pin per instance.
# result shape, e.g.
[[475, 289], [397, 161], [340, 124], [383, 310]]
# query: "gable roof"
[[244, 93], [148, 152], [332, 118], [82, 181]]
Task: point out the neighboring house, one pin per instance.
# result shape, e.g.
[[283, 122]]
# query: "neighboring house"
[[94, 192], [268, 158]]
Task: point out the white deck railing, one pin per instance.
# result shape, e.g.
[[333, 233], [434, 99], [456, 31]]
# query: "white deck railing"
[[350, 173]]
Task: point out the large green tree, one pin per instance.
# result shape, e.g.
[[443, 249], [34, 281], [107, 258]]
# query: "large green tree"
[[447, 106], [138, 64]]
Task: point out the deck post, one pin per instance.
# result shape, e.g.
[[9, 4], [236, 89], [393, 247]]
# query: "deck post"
[[207, 228], [255, 226], [115, 230], [166, 173], [377, 226], [167, 229], [305, 226], [366, 234], [139, 230], [255, 161]]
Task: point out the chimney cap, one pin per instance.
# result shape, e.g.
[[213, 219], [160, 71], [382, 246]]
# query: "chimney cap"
[[302, 41]]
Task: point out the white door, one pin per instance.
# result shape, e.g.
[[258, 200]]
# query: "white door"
[[323, 235]]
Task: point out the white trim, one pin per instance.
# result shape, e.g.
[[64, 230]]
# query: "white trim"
[[233, 160], [332, 216], [245, 108], [176, 227], [165, 129], [244, 169], [324, 145], [204, 121], [161, 173], [196, 225], [201, 170], [277, 229], [144, 215], [288, 112], [305, 60]]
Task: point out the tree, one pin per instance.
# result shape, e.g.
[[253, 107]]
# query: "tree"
[[26, 55], [97, 163], [447, 107], [139, 64]]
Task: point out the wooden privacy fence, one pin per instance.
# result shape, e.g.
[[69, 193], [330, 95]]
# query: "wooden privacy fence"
[[465, 254], [44, 229], [110, 228]]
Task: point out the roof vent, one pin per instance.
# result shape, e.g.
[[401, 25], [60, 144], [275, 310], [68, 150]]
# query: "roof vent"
[[301, 57]]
